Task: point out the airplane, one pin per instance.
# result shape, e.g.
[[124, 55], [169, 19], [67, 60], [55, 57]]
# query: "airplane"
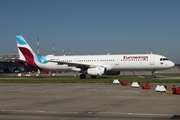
[[93, 65]]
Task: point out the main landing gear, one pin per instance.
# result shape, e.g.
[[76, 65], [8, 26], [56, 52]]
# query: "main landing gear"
[[82, 76], [93, 76], [153, 74]]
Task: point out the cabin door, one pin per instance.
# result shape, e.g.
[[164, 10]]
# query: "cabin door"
[[152, 59], [116, 61]]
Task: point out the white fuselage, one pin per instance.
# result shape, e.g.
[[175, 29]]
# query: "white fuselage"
[[126, 62], [93, 65]]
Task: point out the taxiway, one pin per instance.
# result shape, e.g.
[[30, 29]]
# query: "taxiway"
[[90, 101]]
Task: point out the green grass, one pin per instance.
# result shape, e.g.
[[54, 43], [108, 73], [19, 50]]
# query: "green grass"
[[170, 74], [72, 79]]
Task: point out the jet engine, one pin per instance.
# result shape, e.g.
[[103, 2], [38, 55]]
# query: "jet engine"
[[96, 71]]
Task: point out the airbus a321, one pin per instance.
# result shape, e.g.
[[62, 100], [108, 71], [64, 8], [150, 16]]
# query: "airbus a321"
[[93, 65]]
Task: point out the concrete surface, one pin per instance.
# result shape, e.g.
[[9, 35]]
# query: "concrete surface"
[[86, 101]]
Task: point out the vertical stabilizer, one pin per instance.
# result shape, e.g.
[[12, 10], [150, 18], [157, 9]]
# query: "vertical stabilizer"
[[25, 51], [21, 43]]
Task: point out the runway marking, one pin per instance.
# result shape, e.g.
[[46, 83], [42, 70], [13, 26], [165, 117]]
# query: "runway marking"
[[96, 112], [140, 114]]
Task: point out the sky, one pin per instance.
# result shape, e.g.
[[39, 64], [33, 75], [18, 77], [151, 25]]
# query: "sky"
[[91, 27]]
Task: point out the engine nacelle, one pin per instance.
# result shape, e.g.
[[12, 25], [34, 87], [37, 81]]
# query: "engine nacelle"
[[112, 72], [96, 71], [76, 69]]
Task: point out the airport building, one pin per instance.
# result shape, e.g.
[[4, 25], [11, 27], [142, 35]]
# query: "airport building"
[[7, 57], [7, 64]]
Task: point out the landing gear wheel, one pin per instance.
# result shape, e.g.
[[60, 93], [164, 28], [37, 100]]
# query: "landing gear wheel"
[[153, 76], [82, 76], [92, 76]]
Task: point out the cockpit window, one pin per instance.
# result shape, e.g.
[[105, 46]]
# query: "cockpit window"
[[163, 59]]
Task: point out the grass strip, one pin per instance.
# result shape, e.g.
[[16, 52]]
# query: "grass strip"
[[71, 79]]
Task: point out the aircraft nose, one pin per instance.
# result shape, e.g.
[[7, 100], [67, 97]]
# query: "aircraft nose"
[[171, 64]]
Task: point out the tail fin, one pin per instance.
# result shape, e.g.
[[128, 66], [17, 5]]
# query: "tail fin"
[[21, 56], [25, 51]]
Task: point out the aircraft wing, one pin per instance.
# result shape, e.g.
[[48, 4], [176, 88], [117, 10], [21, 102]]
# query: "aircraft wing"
[[77, 65]]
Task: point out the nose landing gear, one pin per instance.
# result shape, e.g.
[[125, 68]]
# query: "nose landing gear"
[[153, 74]]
